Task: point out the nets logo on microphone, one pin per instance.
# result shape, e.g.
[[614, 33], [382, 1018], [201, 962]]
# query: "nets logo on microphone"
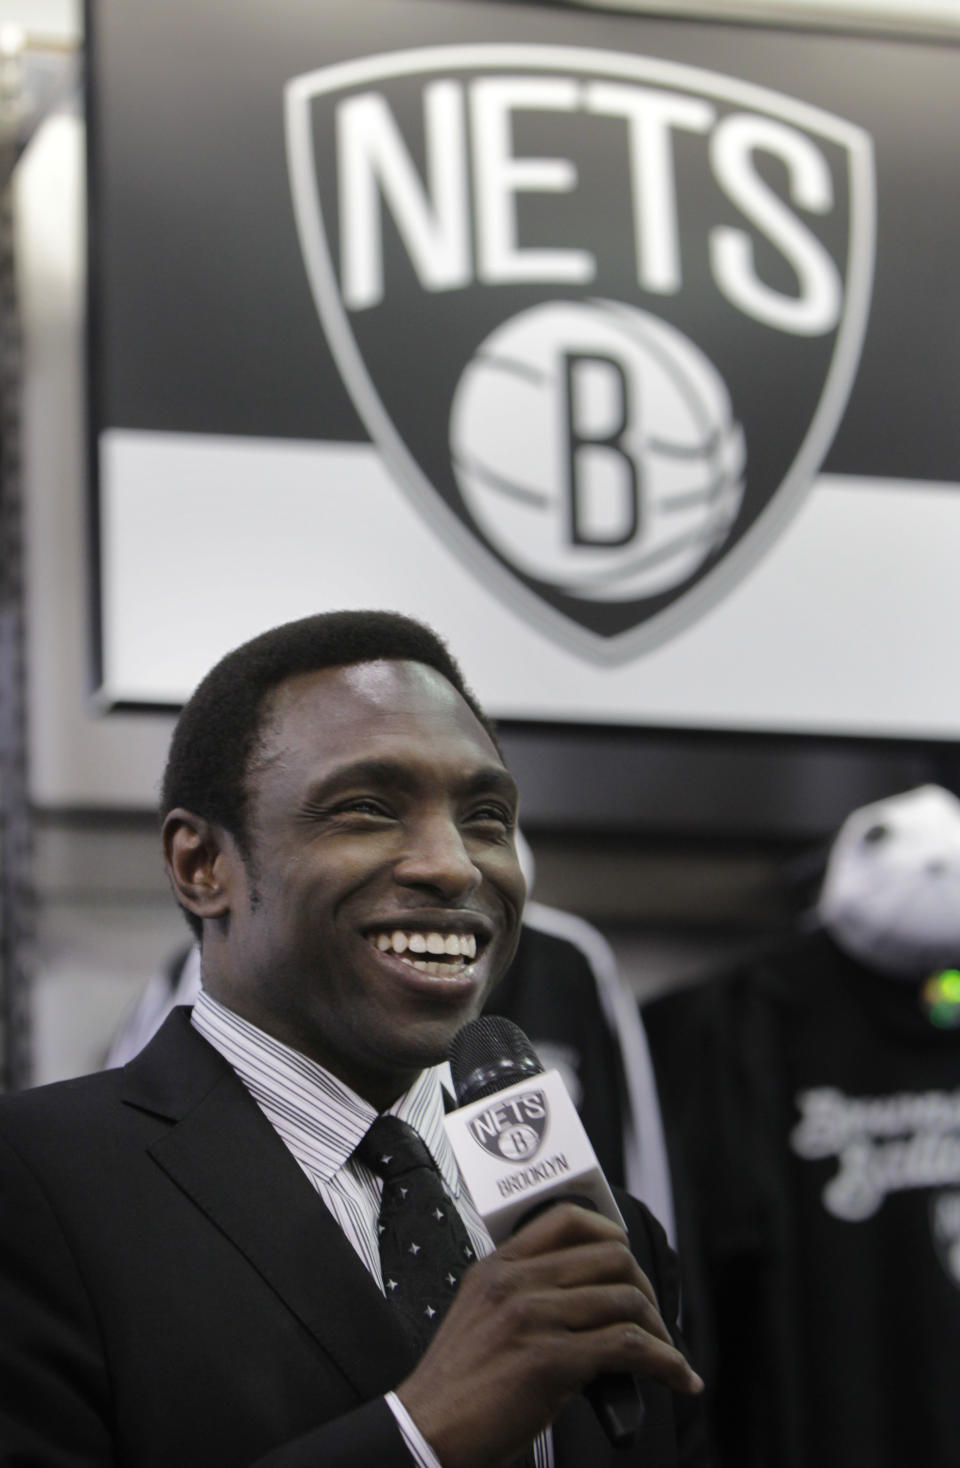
[[512, 1129], [600, 313]]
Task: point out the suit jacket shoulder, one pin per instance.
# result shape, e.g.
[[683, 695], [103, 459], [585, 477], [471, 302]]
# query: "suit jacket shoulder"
[[172, 1289]]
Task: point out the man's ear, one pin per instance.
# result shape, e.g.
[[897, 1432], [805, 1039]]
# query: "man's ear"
[[200, 860]]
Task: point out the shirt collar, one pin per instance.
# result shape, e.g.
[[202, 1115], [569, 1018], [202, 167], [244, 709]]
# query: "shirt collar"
[[319, 1118]]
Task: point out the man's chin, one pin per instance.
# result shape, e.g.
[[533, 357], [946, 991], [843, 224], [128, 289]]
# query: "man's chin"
[[433, 1048]]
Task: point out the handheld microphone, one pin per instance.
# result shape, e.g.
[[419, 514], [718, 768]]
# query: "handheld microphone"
[[521, 1147]]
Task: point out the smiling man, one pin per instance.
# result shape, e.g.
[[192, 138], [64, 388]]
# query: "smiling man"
[[376, 895], [191, 1266]]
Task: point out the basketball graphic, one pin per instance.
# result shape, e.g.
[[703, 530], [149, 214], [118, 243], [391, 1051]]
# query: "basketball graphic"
[[596, 449]]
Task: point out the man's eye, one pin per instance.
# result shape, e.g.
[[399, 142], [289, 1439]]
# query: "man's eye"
[[363, 805], [493, 814]]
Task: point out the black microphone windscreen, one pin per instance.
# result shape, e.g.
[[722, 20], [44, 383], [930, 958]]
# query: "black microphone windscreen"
[[489, 1054]]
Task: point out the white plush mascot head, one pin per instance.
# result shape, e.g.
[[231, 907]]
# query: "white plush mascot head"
[[891, 894]]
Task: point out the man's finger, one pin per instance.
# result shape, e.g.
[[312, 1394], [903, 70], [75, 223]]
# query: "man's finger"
[[604, 1264], [630, 1348], [562, 1225], [591, 1307]]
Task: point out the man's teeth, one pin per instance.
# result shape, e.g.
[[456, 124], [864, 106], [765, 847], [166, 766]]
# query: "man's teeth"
[[456, 946]]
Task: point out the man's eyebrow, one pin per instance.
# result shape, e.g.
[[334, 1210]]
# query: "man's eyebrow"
[[489, 779], [362, 772]]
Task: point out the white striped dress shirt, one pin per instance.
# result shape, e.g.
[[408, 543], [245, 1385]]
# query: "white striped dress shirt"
[[321, 1121]]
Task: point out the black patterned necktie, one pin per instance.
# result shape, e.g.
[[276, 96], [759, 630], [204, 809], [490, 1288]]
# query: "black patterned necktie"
[[424, 1247]]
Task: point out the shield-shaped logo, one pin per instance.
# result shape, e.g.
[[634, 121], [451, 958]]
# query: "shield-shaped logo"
[[511, 1128], [600, 313]]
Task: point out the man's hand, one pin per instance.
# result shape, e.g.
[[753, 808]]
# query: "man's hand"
[[560, 1302]]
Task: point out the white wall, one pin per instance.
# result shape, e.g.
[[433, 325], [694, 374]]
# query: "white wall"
[[105, 920], [77, 757]]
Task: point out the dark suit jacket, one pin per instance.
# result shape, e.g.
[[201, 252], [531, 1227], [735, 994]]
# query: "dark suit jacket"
[[174, 1294]]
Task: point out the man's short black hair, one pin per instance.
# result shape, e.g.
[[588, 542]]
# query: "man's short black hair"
[[219, 729]]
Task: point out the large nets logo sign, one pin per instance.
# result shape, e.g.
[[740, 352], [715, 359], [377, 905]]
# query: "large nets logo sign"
[[600, 313]]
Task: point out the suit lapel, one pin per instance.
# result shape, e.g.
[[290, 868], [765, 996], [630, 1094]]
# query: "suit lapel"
[[223, 1153]]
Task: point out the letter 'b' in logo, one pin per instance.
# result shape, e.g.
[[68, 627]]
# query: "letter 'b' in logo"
[[554, 463], [512, 1129], [599, 312]]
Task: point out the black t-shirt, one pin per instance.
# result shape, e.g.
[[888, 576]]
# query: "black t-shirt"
[[812, 1113]]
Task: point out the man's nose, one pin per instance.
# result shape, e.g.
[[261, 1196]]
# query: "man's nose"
[[435, 856]]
